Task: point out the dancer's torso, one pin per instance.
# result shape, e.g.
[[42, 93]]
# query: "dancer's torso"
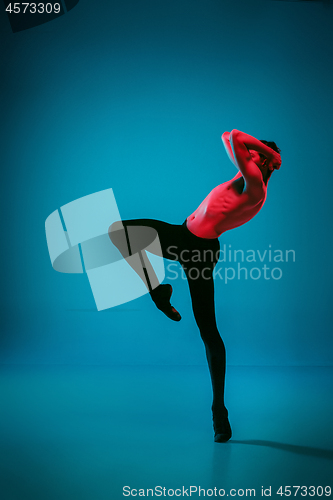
[[227, 206]]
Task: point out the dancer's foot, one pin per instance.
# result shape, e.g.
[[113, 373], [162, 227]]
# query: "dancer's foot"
[[221, 426], [161, 296]]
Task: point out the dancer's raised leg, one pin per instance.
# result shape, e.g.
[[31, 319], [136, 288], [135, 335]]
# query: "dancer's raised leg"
[[131, 237]]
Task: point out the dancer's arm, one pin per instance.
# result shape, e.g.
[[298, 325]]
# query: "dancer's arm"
[[226, 143]]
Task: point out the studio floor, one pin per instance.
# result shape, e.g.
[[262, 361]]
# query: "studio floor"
[[86, 432]]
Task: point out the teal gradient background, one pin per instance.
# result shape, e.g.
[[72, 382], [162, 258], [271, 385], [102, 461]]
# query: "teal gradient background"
[[135, 96]]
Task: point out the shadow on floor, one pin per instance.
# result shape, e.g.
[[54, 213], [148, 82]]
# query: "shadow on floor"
[[300, 450]]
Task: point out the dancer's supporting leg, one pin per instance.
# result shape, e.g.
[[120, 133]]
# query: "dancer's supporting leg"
[[131, 237], [202, 295]]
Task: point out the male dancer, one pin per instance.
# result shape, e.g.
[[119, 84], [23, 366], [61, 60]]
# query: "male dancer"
[[196, 246]]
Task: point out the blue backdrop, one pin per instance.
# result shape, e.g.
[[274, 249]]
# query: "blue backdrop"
[[135, 96]]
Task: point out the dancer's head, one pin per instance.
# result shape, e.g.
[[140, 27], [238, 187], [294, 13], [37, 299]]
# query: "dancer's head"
[[261, 161]]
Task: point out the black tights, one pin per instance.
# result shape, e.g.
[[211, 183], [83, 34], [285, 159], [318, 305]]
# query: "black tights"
[[198, 257]]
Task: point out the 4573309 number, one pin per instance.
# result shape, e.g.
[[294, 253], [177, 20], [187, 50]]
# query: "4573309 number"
[[304, 491], [33, 8]]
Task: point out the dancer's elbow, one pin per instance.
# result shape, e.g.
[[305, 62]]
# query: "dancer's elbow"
[[234, 134]]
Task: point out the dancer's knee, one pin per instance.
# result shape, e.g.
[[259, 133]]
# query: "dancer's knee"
[[117, 235]]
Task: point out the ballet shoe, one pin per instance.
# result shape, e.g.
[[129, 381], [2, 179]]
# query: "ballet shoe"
[[222, 429], [161, 297]]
